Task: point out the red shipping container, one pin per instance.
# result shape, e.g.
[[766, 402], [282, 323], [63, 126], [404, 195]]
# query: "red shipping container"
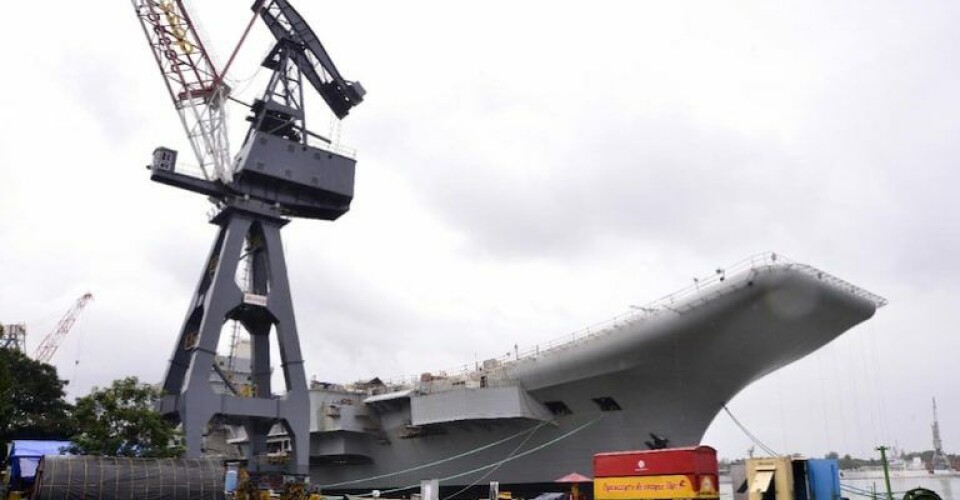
[[695, 460]]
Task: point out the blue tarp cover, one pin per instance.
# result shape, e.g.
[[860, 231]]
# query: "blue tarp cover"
[[25, 457]]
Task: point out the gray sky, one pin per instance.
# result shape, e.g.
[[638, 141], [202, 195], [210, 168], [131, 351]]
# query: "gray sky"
[[525, 169]]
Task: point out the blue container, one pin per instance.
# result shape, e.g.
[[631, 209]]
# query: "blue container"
[[823, 479]]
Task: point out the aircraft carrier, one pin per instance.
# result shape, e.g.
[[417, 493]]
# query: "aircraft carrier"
[[655, 376]]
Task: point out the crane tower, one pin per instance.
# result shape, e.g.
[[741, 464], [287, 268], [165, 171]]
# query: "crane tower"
[[13, 336], [939, 461], [282, 171], [49, 345]]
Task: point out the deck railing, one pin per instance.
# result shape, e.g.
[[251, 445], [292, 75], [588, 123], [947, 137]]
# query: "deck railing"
[[701, 291]]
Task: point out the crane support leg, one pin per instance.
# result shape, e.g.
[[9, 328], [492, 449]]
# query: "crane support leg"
[[264, 307]]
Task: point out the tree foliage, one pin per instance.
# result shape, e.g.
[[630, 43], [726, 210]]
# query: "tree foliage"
[[31, 399], [120, 421]]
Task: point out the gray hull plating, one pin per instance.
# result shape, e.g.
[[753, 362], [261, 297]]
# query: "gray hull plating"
[[668, 371]]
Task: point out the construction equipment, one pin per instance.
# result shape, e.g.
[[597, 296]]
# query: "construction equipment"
[[197, 91], [14, 336], [282, 170], [48, 346], [312, 59], [313, 181]]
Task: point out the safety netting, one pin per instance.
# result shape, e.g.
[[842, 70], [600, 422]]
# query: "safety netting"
[[122, 478]]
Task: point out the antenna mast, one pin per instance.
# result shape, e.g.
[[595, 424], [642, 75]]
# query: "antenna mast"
[[939, 460]]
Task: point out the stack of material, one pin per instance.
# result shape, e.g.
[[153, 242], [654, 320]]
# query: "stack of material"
[[121, 478]]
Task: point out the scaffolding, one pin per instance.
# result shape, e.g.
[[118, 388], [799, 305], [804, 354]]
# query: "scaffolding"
[[14, 337]]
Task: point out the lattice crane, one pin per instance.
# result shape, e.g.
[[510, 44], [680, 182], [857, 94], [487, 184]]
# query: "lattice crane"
[[48, 347], [196, 89]]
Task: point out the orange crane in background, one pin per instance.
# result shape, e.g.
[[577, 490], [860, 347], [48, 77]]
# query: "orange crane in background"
[[48, 347]]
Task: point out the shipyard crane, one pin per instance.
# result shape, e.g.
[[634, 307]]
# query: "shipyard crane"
[[283, 170], [48, 346], [196, 89], [310, 56], [199, 93], [13, 336], [309, 178]]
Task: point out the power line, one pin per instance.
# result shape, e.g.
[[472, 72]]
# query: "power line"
[[765, 448]]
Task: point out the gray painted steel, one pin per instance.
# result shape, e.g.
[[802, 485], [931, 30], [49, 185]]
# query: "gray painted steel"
[[476, 404], [189, 397], [277, 174], [285, 23], [668, 372]]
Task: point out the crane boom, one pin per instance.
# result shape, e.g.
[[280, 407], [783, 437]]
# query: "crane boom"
[[286, 23], [196, 89], [48, 347]]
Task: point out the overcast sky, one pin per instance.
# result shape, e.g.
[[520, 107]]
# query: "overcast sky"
[[524, 169]]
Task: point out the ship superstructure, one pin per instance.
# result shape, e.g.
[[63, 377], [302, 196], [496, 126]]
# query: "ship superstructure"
[[657, 375]]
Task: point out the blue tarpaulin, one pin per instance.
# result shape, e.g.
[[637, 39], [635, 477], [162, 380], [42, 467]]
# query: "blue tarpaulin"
[[25, 457]]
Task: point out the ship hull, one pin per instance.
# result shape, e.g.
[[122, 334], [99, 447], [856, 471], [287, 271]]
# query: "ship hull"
[[668, 374]]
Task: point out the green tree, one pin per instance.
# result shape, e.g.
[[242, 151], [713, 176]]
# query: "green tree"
[[120, 421], [832, 455], [31, 400]]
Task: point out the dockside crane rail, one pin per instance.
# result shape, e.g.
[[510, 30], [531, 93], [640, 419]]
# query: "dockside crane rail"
[[48, 347]]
